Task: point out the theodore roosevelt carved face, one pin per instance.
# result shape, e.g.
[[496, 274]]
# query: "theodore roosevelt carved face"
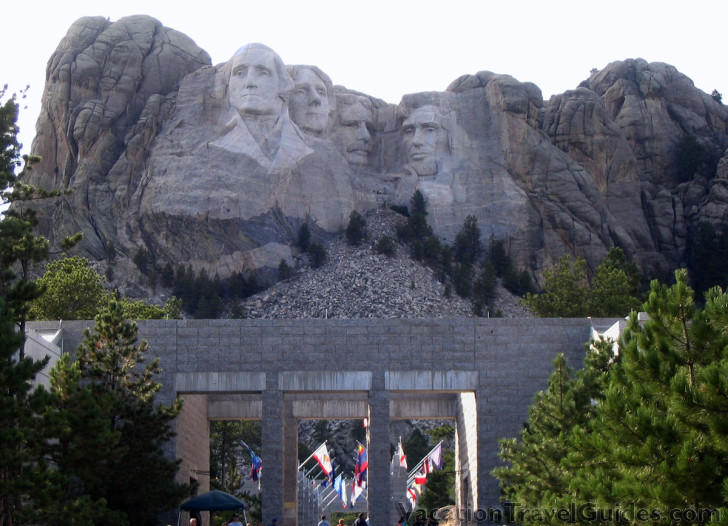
[[353, 128]]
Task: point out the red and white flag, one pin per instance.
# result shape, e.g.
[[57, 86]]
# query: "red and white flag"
[[322, 457], [401, 455]]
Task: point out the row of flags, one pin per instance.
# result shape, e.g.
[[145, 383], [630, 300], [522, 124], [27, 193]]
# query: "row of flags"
[[415, 485], [417, 481], [328, 466]]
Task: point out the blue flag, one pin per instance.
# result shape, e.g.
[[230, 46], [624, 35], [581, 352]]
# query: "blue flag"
[[257, 465]]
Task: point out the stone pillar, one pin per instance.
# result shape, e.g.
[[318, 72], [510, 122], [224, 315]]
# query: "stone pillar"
[[379, 481], [193, 441], [466, 455], [491, 427], [271, 481], [290, 466]]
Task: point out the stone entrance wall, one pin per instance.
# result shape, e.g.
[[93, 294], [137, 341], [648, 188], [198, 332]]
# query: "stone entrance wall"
[[482, 372]]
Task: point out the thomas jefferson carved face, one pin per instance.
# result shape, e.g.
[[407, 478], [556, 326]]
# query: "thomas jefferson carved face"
[[254, 82], [353, 136], [424, 139], [309, 104]]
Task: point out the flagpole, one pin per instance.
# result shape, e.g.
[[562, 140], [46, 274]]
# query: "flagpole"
[[413, 472], [312, 454]]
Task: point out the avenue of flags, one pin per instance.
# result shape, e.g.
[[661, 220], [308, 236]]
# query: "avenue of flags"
[[416, 479]]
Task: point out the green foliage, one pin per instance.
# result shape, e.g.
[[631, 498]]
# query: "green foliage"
[[417, 445], [304, 237], [468, 247], [564, 290], [29, 487], [518, 283], [539, 467], [416, 227], [284, 269], [140, 310], [358, 431], [660, 435], [202, 296], [463, 279], [321, 430], [143, 260], [568, 294], [692, 158], [316, 254], [645, 430], [230, 462], [72, 291], [355, 230], [385, 246], [484, 289], [110, 432]]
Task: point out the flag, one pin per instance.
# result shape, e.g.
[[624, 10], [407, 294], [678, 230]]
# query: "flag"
[[402, 457], [360, 468], [436, 457], [257, 465], [322, 457], [356, 490], [426, 466], [412, 496], [420, 478], [339, 487]]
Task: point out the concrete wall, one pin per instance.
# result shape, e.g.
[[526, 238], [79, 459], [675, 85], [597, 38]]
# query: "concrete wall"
[[250, 368]]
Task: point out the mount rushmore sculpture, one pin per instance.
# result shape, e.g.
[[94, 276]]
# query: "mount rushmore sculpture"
[[219, 166]]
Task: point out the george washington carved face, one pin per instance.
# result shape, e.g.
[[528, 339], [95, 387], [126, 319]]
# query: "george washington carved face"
[[256, 81]]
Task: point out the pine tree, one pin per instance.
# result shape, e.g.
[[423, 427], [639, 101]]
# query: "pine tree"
[[111, 432], [26, 482], [565, 290], [660, 432], [540, 465], [72, 291], [355, 230], [468, 247]]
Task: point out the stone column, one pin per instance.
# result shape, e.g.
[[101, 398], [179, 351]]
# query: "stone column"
[[379, 481], [491, 424], [271, 481], [466, 455], [193, 441], [290, 466]]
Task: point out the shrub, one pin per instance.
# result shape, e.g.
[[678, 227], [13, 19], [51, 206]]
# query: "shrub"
[[385, 246], [316, 254], [304, 237], [355, 229], [284, 269]]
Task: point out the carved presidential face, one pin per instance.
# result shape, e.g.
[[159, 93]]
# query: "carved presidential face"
[[309, 105], [424, 139], [353, 136], [254, 82]]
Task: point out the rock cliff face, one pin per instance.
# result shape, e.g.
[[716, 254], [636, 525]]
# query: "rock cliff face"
[[218, 166]]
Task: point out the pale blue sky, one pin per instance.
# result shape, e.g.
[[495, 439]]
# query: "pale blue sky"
[[389, 48]]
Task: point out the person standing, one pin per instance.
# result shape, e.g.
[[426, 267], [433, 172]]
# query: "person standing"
[[323, 521], [361, 520]]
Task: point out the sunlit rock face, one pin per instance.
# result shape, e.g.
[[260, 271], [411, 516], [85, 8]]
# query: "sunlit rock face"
[[219, 166]]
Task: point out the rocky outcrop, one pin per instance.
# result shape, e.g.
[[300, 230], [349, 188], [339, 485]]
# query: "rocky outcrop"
[[218, 166], [108, 87]]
